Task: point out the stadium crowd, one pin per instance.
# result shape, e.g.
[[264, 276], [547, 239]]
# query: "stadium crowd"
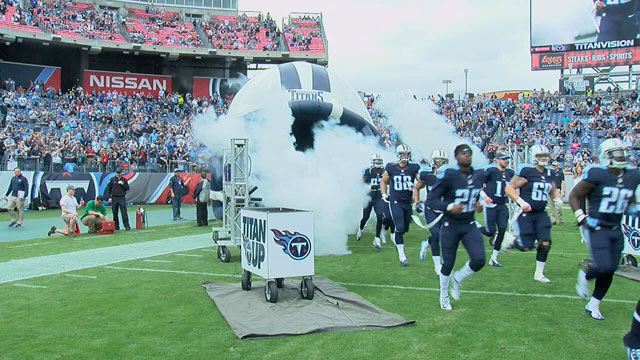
[[49, 130], [84, 21], [243, 33]]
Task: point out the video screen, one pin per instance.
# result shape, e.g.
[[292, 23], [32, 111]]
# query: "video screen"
[[562, 23]]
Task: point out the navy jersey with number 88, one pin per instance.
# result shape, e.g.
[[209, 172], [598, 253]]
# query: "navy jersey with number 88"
[[401, 181]]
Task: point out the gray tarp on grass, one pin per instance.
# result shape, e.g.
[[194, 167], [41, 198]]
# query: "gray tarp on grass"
[[332, 309]]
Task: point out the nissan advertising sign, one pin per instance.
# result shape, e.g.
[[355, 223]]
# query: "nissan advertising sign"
[[128, 83]]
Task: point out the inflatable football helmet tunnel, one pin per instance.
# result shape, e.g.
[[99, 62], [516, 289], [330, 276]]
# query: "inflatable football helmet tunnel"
[[314, 95]]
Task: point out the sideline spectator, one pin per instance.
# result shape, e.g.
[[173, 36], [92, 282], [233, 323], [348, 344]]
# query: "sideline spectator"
[[176, 184], [69, 206], [117, 190], [16, 196], [95, 213], [202, 193]]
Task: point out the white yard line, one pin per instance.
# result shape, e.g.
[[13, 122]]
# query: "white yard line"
[[25, 245], [81, 276], [550, 296], [159, 261], [191, 255], [488, 250], [34, 267], [30, 286]]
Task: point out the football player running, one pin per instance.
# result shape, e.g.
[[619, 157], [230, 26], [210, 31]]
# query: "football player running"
[[400, 177], [536, 184], [372, 176], [610, 187], [456, 194], [427, 178], [496, 213]]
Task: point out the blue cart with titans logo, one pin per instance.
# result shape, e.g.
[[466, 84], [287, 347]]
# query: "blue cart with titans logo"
[[277, 243]]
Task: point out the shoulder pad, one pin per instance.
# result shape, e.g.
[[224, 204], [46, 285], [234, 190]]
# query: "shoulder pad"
[[521, 167], [593, 168], [443, 169]]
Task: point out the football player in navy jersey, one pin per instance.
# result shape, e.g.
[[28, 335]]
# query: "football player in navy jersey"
[[610, 187], [456, 194], [427, 178], [497, 176], [617, 19], [372, 176], [400, 176], [632, 339], [536, 185]]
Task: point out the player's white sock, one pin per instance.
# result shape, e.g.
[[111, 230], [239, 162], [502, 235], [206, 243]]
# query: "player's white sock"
[[494, 255], [540, 267], [401, 254], [383, 235], [593, 303], [436, 260], [444, 285], [463, 273]]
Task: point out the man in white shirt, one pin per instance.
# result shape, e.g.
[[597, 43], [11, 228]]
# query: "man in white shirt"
[[69, 206]]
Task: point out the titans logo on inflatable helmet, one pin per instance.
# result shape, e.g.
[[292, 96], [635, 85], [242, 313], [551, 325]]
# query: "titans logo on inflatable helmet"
[[313, 93]]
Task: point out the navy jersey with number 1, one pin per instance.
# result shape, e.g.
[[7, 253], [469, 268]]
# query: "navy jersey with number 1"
[[401, 181], [495, 182]]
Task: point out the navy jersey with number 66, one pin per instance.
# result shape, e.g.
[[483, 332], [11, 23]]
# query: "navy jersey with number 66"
[[611, 194], [537, 188], [495, 182], [401, 181]]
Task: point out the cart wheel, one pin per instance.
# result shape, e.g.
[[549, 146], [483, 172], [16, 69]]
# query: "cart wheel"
[[629, 259], [307, 289], [271, 292], [224, 254], [280, 282], [246, 280]]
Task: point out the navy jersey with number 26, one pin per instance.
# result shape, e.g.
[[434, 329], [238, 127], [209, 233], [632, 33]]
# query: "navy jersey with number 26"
[[455, 186], [611, 194], [401, 181]]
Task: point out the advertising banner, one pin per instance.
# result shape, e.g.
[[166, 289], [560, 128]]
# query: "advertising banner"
[[26, 75], [585, 58], [128, 83], [144, 188]]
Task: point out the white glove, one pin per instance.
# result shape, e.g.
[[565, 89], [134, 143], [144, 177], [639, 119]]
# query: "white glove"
[[558, 202], [385, 197]]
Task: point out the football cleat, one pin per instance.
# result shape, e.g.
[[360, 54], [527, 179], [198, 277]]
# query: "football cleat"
[[594, 311], [359, 235], [403, 260], [582, 285], [445, 304], [541, 278], [454, 288], [51, 231], [633, 354], [494, 263], [376, 243], [424, 245]]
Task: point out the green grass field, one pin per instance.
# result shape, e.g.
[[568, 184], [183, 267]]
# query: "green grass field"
[[136, 314]]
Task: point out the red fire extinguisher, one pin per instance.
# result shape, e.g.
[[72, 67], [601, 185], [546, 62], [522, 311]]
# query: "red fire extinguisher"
[[141, 218]]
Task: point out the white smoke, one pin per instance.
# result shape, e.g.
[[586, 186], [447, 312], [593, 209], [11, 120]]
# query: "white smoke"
[[326, 180], [419, 126]]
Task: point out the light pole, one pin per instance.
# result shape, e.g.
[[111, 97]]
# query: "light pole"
[[466, 73], [447, 82]]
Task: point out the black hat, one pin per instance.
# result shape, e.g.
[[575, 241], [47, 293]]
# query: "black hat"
[[503, 156], [118, 171]]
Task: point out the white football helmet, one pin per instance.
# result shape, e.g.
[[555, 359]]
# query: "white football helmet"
[[613, 153], [539, 151], [376, 160], [403, 152], [439, 158]]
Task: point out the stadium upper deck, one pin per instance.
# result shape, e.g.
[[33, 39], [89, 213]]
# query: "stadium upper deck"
[[171, 30]]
